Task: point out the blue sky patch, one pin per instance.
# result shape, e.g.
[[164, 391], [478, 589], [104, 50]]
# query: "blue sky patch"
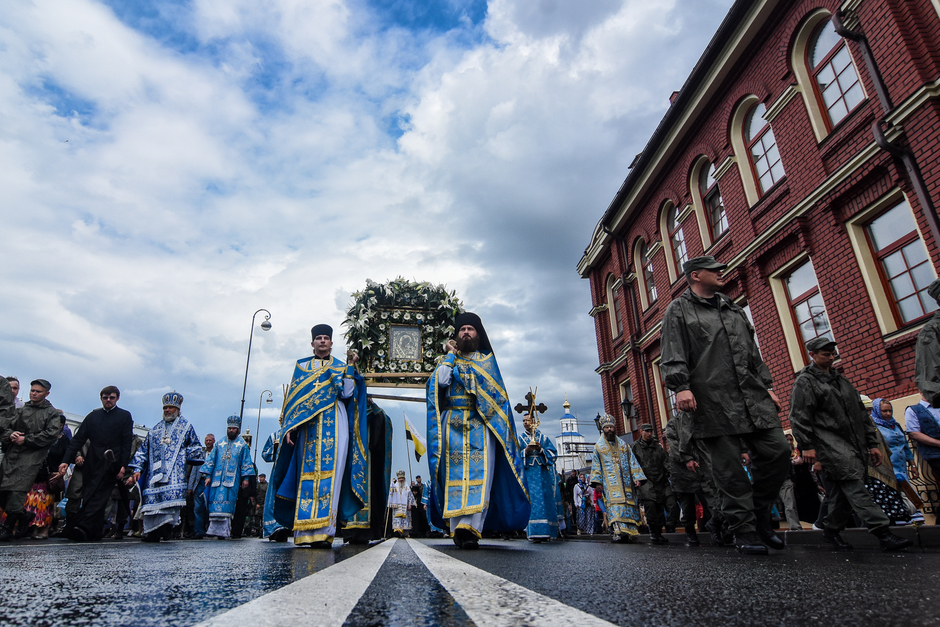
[[437, 16], [67, 104]]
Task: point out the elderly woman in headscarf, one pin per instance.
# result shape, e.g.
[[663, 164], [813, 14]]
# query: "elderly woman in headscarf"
[[881, 482], [902, 459]]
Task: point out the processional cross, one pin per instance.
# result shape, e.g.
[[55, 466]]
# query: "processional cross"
[[532, 410]]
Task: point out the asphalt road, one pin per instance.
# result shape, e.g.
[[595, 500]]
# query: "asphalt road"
[[433, 583]]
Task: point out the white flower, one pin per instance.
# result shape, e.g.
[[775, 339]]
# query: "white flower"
[[384, 315], [381, 353], [392, 366], [428, 354], [381, 327], [382, 339], [396, 315], [407, 316], [417, 367], [419, 317], [366, 343]]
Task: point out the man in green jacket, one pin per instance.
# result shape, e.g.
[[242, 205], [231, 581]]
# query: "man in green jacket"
[[711, 361], [656, 494], [830, 424], [25, 440], [927, 353]]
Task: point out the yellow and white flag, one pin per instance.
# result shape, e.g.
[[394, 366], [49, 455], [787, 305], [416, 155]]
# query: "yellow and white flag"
[[421, 446]]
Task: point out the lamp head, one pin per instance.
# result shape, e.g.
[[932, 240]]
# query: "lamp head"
[[266, 325]]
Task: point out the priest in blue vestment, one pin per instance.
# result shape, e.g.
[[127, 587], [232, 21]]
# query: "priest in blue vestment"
[[227, 469], [477, 477], [320, 476], [614, 467], [540, 456], [160, 467]]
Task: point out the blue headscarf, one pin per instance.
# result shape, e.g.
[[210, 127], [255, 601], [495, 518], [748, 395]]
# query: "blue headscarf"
[[887, 423]]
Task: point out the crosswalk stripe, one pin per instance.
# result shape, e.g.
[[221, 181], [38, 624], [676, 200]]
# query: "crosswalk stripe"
[[324, 598], [493, 601]]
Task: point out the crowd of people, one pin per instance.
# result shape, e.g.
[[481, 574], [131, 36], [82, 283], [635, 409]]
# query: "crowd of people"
[[86, 486], [724, 464]]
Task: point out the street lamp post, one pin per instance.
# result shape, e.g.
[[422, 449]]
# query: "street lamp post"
[[265, 326], [258, 427]]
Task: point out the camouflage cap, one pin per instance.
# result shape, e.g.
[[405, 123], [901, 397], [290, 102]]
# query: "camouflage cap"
[[702, 263], [820, 343]]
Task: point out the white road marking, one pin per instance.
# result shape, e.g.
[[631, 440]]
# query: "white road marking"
[[322, 599], [493, 601]]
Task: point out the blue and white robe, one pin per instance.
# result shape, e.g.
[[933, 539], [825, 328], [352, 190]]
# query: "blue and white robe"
[[161, 461], [614, 466], [227, 465], [540, 475], [268, 454]]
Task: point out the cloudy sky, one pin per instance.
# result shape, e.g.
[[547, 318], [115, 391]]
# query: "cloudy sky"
[[168, 167]]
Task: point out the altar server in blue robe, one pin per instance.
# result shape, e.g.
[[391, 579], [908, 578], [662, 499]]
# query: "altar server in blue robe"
[[270, 528], [320, 476], [540, 456], [226, 468], [477, 477], [160, 467]]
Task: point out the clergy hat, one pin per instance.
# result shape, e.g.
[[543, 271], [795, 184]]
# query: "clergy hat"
[[173, 399], [607, 421], [234, 421], [400, 474], [42, 383], [321, 329], [473, 320]]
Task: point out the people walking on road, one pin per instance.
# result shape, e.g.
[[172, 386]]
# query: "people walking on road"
[[902, 458], [828, 418], [325, 425], [540, 455], [26, 435], [419, 517], [584, 506], [710, 359], [401, 500], [476, 467], [109, 433], [687, 483], [656, 494], [224, 474], [923, 425], [614, 467], [160, 467], [200, 505]]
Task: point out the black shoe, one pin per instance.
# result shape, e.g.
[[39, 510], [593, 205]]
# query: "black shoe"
[[748, 543], [6, 531], [891, 542], [691, 538], [657, 538], [153, 536], [766, 533], [77, 534], [23, 530], [466, 539], [280, 535], [714, 530], [319, 544], [833, 538]]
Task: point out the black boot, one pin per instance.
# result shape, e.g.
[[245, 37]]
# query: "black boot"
[[714, 529], [833, 538], [765, 531], [891, 542], [727, 536], [6, 530], [656, 537], [691, 538], [748, 543]]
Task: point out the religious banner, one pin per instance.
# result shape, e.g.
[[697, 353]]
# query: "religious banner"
[[399, 328]]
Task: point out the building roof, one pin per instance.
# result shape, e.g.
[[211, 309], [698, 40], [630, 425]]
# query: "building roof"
[[735, 33]]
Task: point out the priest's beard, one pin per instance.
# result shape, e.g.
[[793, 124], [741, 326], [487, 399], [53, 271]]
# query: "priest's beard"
[[610, 436], [169, 416], [468, 344]]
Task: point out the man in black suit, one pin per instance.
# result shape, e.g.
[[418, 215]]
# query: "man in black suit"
[[110, 433]]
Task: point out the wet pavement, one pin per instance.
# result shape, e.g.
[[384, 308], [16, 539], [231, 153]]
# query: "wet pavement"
[[130, 582], [185, 582]]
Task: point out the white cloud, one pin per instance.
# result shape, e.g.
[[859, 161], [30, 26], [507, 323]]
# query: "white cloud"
[[255, 167]]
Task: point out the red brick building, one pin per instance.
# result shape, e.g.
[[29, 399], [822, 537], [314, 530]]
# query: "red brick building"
[[803, 151]]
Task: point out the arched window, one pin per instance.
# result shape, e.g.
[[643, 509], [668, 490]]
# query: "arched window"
[[762, 148], [835, 79], [644, 265], [613, 305], [676, 238], [714, 204]]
